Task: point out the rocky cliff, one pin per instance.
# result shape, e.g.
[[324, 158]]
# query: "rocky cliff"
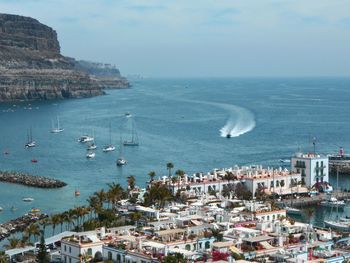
[[31, 66]]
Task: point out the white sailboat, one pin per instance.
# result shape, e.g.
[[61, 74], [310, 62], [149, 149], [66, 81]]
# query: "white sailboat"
[[134, 140], [92, 146], [57, 129], [30, 142], [121, 160], [109, 147], [343, 225]]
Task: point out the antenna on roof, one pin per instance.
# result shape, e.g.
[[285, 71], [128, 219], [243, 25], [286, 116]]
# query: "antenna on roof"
[[314, 144]]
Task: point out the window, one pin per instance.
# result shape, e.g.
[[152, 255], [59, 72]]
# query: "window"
[[65, 259], [89, 251], [207, 245], [200, 245], [109, 255], [65, 248], [70, 250], [188, 247], [70, 260]]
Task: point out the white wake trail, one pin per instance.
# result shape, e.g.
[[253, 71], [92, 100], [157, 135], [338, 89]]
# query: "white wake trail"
[[240, 121]]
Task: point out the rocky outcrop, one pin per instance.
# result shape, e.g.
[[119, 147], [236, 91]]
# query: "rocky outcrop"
[[107, 75], [31, 66]]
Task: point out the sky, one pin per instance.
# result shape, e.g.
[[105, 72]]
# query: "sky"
[[201, 38]]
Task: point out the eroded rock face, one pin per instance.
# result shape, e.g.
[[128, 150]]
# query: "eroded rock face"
[[31, 66]]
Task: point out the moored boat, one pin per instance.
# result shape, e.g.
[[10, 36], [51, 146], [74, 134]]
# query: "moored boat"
[[292, 210], [109, 147], [338, 225], [57, 129], [30, 142], [28, 199], [121, 161], [134, 140], [85, 138], [90, 155]]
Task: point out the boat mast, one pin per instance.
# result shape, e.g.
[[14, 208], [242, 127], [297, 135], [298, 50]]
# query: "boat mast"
[[110, 134], [58, 123]]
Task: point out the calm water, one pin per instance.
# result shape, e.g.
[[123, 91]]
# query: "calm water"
[[178, 120]]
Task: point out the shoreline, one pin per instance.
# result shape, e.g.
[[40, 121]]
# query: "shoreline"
[[19, 224], [30, 180]]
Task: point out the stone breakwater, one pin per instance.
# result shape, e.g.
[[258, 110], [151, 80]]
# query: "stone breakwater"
[[19, 224], [30, 180]]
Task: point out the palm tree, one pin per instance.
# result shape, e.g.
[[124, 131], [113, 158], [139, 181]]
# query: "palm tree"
[[152, 174], [94, 203], [101, 195], [32, 230], [55, 220], [135, 217], [169, 166], [13, 243], [116, 193], [4, 258], [131, 182], [43, 223]]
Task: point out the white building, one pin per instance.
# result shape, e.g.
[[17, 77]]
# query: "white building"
[[312, 167], [77, 246], [279, 181]]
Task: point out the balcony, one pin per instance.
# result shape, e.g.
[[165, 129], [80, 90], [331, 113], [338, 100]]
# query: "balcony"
[[300, 165]]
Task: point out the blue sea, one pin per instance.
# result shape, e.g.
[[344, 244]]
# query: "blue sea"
[[183, 121]]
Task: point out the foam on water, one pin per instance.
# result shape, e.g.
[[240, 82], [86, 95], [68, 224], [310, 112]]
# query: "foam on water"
[[240, 121]]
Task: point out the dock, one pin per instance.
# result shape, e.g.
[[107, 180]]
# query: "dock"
[[303, 202]]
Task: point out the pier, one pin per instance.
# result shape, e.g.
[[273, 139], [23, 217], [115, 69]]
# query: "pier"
[[30, 180], [312, 200]]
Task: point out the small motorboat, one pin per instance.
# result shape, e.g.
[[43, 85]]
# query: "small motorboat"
[[1, 209], [121, 161], [292, 210], [30, 144], [13, 209], [28, 199], [91, 147], [90, 155], [77, 193], [6, 152], [284, 160], [85, 138], [108, 148], [333, 202], [35, 210], [228, 135], [34, 160]]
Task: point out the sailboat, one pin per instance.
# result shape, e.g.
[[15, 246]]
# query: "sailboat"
[[121, 161], [92, 146], [57, 129], [30, 142], [134, 140], [343, 225], [109, 147]]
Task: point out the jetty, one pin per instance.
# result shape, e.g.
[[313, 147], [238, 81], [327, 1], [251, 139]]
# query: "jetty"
[[30, 180], [307, 201], [19, 224]]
